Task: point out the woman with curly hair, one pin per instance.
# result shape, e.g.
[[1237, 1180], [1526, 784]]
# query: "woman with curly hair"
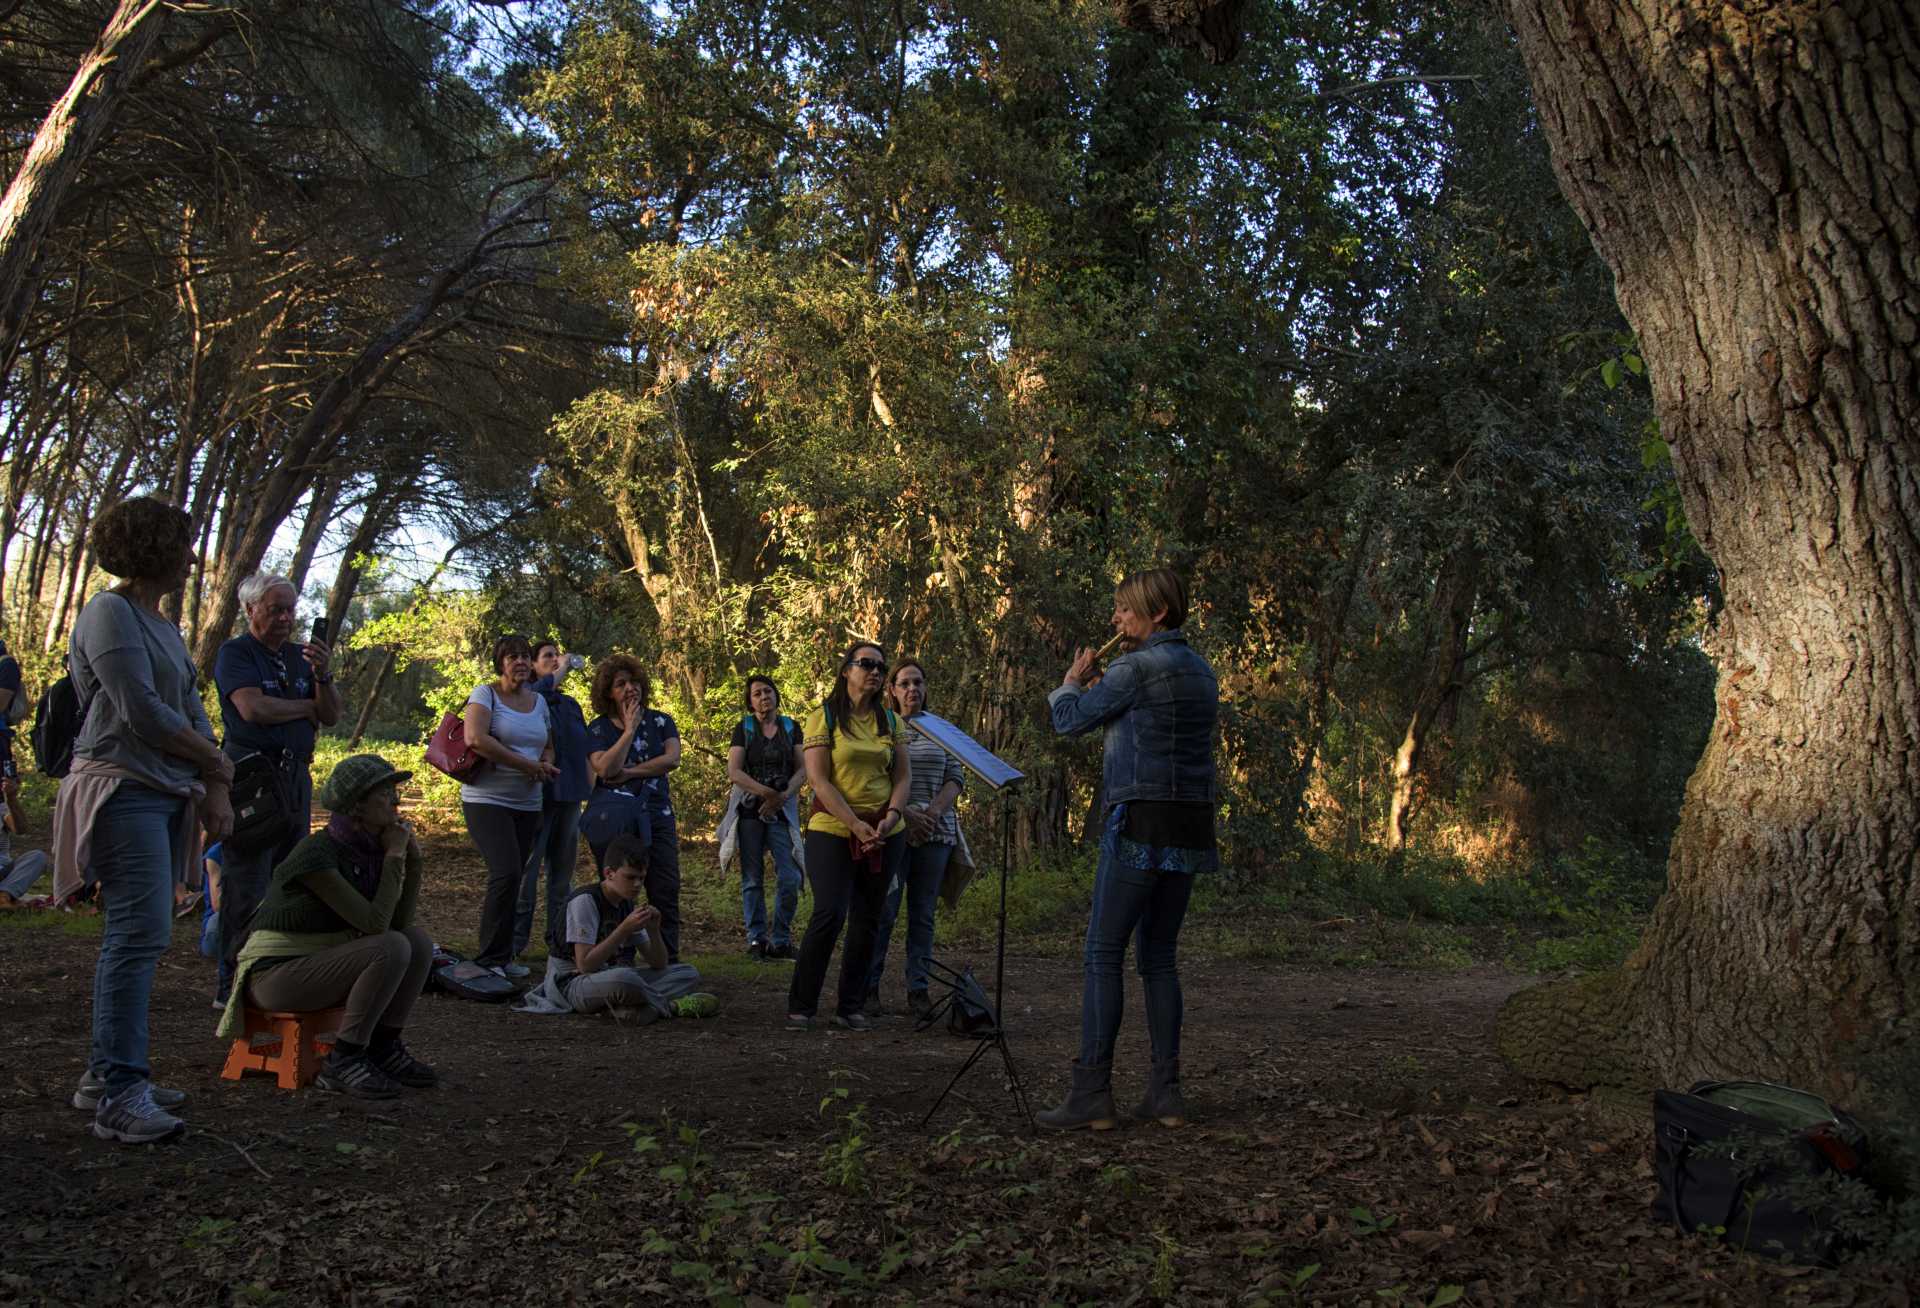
[[145, 767], [631, 747]]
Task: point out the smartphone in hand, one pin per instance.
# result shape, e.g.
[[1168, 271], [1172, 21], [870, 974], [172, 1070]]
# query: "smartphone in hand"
[[319, 632]]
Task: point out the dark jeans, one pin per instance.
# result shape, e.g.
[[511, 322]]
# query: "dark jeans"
[[926, 869], [1148, 906], [663, 881], [244, 878], [557, 844], [845, 897], [504, 837], [757, 839]]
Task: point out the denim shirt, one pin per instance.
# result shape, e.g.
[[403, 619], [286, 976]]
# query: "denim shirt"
[[1159, 705]]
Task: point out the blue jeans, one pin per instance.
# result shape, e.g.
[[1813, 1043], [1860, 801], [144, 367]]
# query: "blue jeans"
[[557, 844], [133, 841], [1149, 907], [926, 868], [756, 838]]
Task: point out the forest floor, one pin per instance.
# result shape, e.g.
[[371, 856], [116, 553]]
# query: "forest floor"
[[1355, 1140]]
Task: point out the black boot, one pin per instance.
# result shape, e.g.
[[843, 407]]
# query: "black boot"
[[1163, 1102], [1090, 1104]]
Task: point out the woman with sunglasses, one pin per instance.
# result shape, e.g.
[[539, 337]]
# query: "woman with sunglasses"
[[856, 757]]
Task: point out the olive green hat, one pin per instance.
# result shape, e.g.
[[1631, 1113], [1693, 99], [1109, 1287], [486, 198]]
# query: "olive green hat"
[[353, 777]]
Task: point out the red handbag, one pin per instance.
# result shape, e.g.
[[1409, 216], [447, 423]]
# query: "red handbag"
[[448, 750]]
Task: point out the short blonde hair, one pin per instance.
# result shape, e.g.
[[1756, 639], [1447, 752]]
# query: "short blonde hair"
[[1153, 591]]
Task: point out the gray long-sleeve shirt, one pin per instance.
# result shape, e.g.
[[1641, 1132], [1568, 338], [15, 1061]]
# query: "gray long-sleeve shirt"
[[133, 673]]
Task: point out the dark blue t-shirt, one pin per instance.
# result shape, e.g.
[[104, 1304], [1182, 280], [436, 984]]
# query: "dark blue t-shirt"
[[10, 679], [650, 741], [574, 781], [286, 674]]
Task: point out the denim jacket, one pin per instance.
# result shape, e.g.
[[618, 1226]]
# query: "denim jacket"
[[1159, 704]]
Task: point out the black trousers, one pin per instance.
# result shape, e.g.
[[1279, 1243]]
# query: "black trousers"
[[504, 837], [663, 881], [842, 897]]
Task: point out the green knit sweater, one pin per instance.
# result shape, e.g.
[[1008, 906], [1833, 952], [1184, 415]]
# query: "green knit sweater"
[[312, 894]]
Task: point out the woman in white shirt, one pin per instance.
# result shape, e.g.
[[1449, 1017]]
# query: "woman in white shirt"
[[508, 726]]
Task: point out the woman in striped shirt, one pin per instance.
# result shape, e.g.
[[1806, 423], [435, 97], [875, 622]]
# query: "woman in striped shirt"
[[932, 833]]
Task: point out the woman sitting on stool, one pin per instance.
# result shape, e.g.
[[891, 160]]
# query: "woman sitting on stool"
[[336, 930]]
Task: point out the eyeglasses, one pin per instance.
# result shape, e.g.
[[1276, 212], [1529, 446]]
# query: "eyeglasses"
[[870, 665]]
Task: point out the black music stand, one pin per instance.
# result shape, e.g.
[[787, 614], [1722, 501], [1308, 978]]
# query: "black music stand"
[[1002, 777]]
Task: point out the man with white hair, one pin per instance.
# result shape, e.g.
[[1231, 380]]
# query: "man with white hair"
[[275, 695]]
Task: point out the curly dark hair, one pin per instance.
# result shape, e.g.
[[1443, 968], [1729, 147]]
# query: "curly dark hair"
[[603, 675], [140, 539]]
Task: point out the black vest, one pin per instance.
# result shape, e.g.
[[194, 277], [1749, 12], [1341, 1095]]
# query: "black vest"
[[612, 914]]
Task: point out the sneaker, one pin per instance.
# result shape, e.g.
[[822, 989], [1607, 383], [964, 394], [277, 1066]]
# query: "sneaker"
[[757, 950], [397, 1063], [699, 1004], [918, 1003], [92, 1086], [132, 1117], [513, 971], [799, 1021], [354, 1074], [782, 953], [853, 1021]]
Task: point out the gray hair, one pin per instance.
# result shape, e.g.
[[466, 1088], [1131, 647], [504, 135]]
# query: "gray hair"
[[255, 588]]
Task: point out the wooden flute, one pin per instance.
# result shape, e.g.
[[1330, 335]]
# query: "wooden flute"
[[1108, 648]]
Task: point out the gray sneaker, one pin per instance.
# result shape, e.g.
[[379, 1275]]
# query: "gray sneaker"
[[92, 1085], [132, 1117], [514, 971]]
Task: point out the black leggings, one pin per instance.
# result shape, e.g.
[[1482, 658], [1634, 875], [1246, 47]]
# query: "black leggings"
[[504, 837], [839, 892]]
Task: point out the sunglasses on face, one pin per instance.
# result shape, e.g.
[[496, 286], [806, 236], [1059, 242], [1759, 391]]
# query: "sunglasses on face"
[[866, 664]]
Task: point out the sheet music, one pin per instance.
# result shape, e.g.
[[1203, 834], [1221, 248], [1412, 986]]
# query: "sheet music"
[[974, 757]]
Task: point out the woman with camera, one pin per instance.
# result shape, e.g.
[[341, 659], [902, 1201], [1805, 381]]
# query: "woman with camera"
[[1158, 703], [509, 727], [856, 758], [631, 747], [763, 813]]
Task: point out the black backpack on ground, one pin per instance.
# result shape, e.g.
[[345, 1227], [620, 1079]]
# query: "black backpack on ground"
[[57, 719], [456, 976], [1746, 1162]]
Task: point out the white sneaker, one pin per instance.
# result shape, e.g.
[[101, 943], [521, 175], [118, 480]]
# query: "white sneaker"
[[92, 1085], [132, 1117]]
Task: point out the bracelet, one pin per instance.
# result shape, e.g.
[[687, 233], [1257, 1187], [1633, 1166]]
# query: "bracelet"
[[323, 681]]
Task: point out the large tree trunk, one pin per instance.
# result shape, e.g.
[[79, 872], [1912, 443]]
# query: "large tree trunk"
[[65, 138], [1749, 172]]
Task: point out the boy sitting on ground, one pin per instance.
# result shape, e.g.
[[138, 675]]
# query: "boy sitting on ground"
[[611, 955]]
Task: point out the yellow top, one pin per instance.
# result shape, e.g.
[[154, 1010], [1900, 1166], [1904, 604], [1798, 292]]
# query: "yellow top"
[[861, 769]]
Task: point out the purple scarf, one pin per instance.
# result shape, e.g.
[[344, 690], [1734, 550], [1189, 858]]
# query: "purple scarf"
[[362, 849]]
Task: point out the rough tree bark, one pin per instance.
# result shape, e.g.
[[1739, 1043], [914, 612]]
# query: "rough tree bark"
[[71, 128], [1749, 172]]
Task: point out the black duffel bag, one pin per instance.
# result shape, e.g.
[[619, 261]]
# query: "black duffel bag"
[[1746, 1162]]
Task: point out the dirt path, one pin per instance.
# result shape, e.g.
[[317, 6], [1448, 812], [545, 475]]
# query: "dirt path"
[[584, 1160]]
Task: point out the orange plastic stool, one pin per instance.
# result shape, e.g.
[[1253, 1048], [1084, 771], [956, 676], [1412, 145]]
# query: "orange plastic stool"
[[295, 1051]]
